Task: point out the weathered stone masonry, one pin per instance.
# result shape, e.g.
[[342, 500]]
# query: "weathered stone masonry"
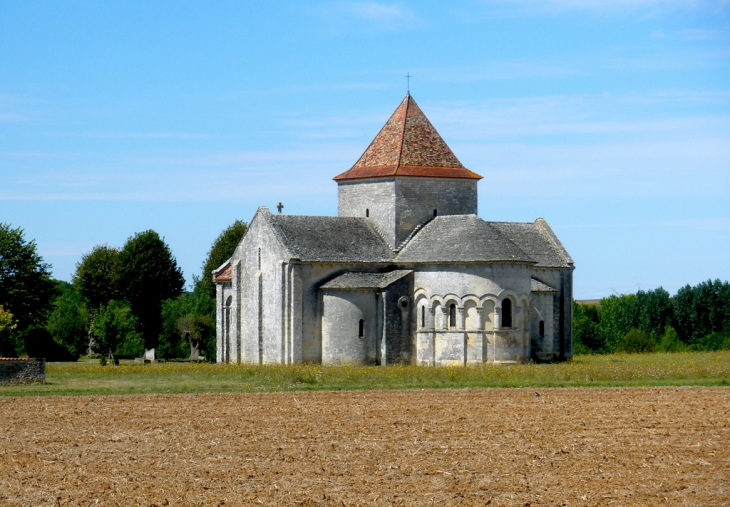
[[22, 371]]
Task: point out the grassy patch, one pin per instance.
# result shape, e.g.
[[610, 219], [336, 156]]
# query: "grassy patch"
[[86, 377]]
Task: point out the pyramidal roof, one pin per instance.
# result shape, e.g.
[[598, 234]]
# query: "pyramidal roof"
[[408, 145]]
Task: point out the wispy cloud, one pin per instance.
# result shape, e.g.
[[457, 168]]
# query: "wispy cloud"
[[706, 224], [374, 11], [700, 34], [606, 6], [379, 14]]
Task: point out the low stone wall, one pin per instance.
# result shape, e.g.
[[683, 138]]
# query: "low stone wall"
[[22, 371]]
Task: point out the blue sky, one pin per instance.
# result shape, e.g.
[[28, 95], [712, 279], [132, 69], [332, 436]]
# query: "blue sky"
[[610, 119]]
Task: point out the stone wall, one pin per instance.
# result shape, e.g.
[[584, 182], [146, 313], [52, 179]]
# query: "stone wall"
[[417, 198], [22, 371], [397, 205], [372, 198]]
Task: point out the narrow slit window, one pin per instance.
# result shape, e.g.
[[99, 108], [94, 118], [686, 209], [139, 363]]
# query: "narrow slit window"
[[361, 328], [435, 213], [423, 316], [259, 260], [507, 313], [367, 213], [542, 328], [452, 316]]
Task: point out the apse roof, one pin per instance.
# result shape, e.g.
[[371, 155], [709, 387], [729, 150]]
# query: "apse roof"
[[538, 241], [408, 145], [461, 238], [351, 281]]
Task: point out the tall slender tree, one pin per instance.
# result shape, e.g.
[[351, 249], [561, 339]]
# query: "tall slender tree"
[[220, 251], [148, 275]]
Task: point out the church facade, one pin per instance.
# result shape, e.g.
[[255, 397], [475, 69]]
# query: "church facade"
[[406, 273]]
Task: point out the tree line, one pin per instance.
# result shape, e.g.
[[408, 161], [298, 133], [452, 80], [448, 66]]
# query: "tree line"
[[120, 302], [695, 318]]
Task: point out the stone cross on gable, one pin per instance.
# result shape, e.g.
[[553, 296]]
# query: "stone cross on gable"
[[279, 207]]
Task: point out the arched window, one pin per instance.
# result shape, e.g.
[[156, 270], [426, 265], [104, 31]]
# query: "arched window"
[[435, 213], [367, 212], [507, 312], [542, 328], [361, 329], [452, 316], [423, 316]]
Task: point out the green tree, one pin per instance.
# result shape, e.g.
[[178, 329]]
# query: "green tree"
[[221, 250], [192, 313], [636, 341], [670, 341], [96, 276], [702, 310], [148, 275], [69, 320], [614, 321], [26, 289], [713, 341], [114, 325], [7, 342], [587, 336], [650, 311]]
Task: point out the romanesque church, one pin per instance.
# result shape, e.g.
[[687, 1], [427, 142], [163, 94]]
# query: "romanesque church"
[[405, 273]]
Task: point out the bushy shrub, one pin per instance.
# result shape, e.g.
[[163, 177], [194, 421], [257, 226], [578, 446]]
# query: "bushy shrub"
[[636, 341], [714, 341], [40, 343], [670, 341]]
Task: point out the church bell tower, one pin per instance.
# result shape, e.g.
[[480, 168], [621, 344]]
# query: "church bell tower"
[[406, 177]]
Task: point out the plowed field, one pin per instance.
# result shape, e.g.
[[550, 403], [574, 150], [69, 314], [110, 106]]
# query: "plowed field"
[[618, 446]]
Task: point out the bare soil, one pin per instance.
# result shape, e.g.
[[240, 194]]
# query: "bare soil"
[[589, 446]]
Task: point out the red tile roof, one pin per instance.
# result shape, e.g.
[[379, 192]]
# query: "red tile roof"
[[408, 145], [224, 275]]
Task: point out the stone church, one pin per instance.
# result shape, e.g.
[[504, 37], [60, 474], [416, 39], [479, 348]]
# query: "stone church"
[[406, 273]]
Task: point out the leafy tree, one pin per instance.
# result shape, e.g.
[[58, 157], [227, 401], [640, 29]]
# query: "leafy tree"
[[148, 275], [114, 325], [221, 250], [613, 319], [702, 310], [7, 342], [188, 320], [196, 329], [670, 341], [636, 341], [96, 276], [26, 288], [69, 320], [587, 336], [650, 311]]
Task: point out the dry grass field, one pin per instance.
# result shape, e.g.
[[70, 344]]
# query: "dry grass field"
[[569, 446]]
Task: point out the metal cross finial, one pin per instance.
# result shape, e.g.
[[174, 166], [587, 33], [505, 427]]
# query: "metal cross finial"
[[408, 81], [280, 207]]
